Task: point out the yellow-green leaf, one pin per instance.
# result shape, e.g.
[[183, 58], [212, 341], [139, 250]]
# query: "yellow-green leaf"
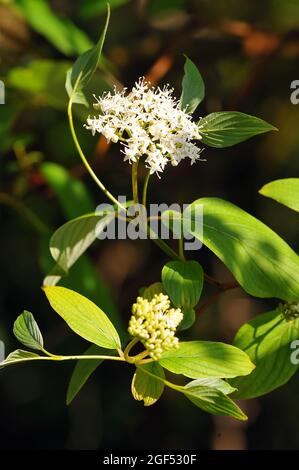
[[145, 387], [83, 316]]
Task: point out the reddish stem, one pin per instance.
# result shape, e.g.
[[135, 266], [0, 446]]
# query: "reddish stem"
[[214, 297]]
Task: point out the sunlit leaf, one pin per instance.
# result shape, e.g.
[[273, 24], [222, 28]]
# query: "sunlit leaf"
[[267, 341], [201, 359], [83, 316], [285, 191], [263, 263], [145, 387], [213, 401]]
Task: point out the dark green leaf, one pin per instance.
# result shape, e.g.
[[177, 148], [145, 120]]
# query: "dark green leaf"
[[193, 87], [87, 63], [26, 330], [188, 319], [183, 281], [227, 128], [83, 370]]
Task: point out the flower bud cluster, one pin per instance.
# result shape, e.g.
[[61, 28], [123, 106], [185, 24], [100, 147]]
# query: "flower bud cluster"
[[154, 323]]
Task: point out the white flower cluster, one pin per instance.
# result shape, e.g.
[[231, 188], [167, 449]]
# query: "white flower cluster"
[[155, 324], [149, 122]]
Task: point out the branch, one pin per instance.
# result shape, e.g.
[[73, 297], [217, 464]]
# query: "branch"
[[214, 297]]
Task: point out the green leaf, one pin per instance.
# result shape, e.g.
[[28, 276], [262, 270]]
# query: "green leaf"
[[213, 401], [183, 282], [267, 341], [85, 277], [86, 64], [27, 331], [60, 32], [82, 371], [78, 97], [145, 387], [155, 288], [227, 128], [72, 239], [285, 191], [188, 318], [201, 359], [193, 87], [263, 264], [213, 382], [83, 317], [18, 356]]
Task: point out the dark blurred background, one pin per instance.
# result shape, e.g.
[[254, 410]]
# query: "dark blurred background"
[[248, 54]]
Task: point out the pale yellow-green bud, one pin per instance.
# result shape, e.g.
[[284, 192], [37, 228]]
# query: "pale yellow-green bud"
[[154, 323], [290, 310]]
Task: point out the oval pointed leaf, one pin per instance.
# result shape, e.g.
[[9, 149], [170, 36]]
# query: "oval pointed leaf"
[[285, 191], [202, 359], [26, 330], [20, 355], [193, 87], [83, 316], [72, 239], [267, 341], [87, 63], [227, 128], [213, 382], [188, 318], [213, 401], [263, 263], [183, 281], [145, 387]]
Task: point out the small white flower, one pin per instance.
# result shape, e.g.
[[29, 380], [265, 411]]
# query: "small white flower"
[[155, 324], [149, 123]]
